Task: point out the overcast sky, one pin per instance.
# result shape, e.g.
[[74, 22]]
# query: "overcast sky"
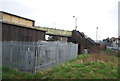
[[59, 14]]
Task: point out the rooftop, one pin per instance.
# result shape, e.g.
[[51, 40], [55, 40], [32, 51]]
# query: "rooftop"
[[16, 15]]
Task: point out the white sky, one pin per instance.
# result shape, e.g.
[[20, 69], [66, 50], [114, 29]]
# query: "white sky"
[[59, 14]]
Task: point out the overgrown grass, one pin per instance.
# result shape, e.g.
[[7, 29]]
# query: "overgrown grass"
[[111, 52], [8, 73], [84, 70], [75, 69]]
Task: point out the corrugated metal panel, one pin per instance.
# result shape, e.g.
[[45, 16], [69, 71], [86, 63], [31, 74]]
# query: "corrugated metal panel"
[[30, 35], [25, 34], [3, 35], [17, 33], [12, 33], [33, 35], [22, 34], [9, 33], [6, 32], [38, 36]]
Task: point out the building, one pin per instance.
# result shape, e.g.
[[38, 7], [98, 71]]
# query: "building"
[[17, 28], [112, 43]]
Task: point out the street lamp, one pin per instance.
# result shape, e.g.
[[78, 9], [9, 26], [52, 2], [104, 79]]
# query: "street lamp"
[[96, 34], [75, 22]]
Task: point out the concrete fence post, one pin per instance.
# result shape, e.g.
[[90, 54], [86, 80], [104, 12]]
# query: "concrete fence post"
[[11, 54], [57, 50]]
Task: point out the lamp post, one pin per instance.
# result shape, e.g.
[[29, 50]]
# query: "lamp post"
[[96, 34], [75, 22]]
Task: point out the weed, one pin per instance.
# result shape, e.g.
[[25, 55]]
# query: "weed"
[[92, 67]]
